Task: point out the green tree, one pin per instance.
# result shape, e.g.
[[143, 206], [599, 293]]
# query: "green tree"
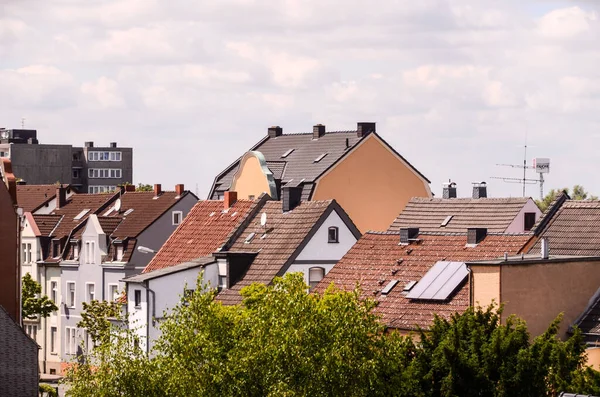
[[35, 305], [577, 193], [144, 188], [96, 319]]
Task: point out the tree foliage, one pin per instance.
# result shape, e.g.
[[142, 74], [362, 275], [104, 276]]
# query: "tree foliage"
[[144, 188], [282, 341], [95, 318], [578, 193], [35, 305]]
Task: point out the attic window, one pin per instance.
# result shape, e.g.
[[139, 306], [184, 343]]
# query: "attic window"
[[321, 157], [81, 214], [249, 238], [447, 220], [389, 287], [287, 153], [129, 211], [55, 248]]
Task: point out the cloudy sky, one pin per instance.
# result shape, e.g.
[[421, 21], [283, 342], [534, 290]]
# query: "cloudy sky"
[[456, 86]]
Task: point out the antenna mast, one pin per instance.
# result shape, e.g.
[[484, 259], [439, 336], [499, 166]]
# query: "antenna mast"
[[540, 165]]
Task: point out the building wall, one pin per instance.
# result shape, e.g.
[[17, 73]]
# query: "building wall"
[[126, 166], [539, 292], [9, 266], [372, 184], [42, 164], [51, 359], [18, 360], [518, 224], [485, 285], [593, 357], [251, 178]]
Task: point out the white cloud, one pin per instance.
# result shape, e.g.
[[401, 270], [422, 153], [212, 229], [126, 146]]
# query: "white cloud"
[[103, 93], [567, 22]]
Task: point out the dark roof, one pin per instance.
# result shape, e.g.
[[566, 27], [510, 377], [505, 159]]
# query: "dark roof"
[[46, 223], [75, 205], [204, 230], [32, 197], [286, 233], [572, 229], [109, 225], [589, 321], [300, 164], [203, 261], [495, 214], [378, 258], [146, 210]]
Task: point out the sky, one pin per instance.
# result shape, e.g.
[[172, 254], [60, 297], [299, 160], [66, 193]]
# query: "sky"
[[455, 86]]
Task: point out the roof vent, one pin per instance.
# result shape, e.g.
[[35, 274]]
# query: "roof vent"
[[318, 131], [408, 234], [449, 190], [476, 235], [479, 190], [129, 211]]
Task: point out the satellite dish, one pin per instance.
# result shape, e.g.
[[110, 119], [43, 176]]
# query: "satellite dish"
[[118, 205], [263, 219]]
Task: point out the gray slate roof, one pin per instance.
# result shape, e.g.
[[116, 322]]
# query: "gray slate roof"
[[495, 214], [203, 261], [589, 321]]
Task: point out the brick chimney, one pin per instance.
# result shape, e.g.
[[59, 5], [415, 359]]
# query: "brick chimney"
[[229, 199], [275, 131], [61, 197], [408, 234], [130, 188], [363, 129], [157, 190], [449, 190], [476, 235], [291, 197], [179, 189], [89, 144], [113, 144], [479, 190], [318, 131]]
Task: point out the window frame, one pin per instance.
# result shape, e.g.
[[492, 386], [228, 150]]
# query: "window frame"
[[312, 283], [53, 333], [71, 305], [336, 238], [173, 214], [87, 292], [54, 291], [115, 295], [137, 298], [525, 221]]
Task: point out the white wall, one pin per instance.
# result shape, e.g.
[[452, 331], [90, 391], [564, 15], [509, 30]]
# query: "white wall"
[[518, 224]]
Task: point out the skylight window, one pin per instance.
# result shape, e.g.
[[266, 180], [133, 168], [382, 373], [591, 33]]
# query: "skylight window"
[[129, 211], [389, 287], [81, 214], [446, 221], [287, 153], [250, 238], [110, 210], [321, 157]]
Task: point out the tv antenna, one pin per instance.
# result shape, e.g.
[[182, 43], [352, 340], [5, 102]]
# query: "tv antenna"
[[23, 123], [540, 165]]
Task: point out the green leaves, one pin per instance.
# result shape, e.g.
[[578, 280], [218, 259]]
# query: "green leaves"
[[33, 304], [95, 318]]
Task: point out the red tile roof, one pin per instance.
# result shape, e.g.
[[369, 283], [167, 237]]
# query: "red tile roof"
[[204, 230], [495, 214], [46, 223], [377, 258], [32, 197], [75, 205], [146, 209], [285, 233]]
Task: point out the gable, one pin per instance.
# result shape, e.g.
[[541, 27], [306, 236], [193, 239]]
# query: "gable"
[[253, 177]]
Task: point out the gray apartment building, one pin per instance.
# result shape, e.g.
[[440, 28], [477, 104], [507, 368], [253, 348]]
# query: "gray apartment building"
[[88, 169]]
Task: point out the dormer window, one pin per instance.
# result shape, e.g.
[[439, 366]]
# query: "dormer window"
[[333, 235], [120, 253], [55, 248], [75, 245]]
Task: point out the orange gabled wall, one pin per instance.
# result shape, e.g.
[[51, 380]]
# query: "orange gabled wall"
[[372, 184]]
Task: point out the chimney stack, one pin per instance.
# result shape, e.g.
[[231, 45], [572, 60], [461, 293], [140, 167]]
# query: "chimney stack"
[[229, 199], [318, 131], [275, 131], [545, 254], [61, 197], [364, 129], [89, 144], [157, 189], [476, 235], [179, 189], [113, 144], [130, 188], [479, 190], [291, 197], [408, 234], [449, 191]]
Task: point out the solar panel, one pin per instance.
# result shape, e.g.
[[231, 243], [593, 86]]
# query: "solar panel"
[[440, 281]]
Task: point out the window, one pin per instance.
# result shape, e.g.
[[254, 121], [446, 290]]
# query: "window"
[[177, 215], [222, 282], [31, 330], [138, 298], [315, 274], [113, 292], [55, 248], [76, 173], [104, 156], [24, 253], [90, 292], [119, 252], [321, 157], [81, 214], [27, 253], [332, 235], [54, 291], [250, 238], [71, 294], [75, 250], [90, 252], [52, 339], [529, 220], [70, 340]]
